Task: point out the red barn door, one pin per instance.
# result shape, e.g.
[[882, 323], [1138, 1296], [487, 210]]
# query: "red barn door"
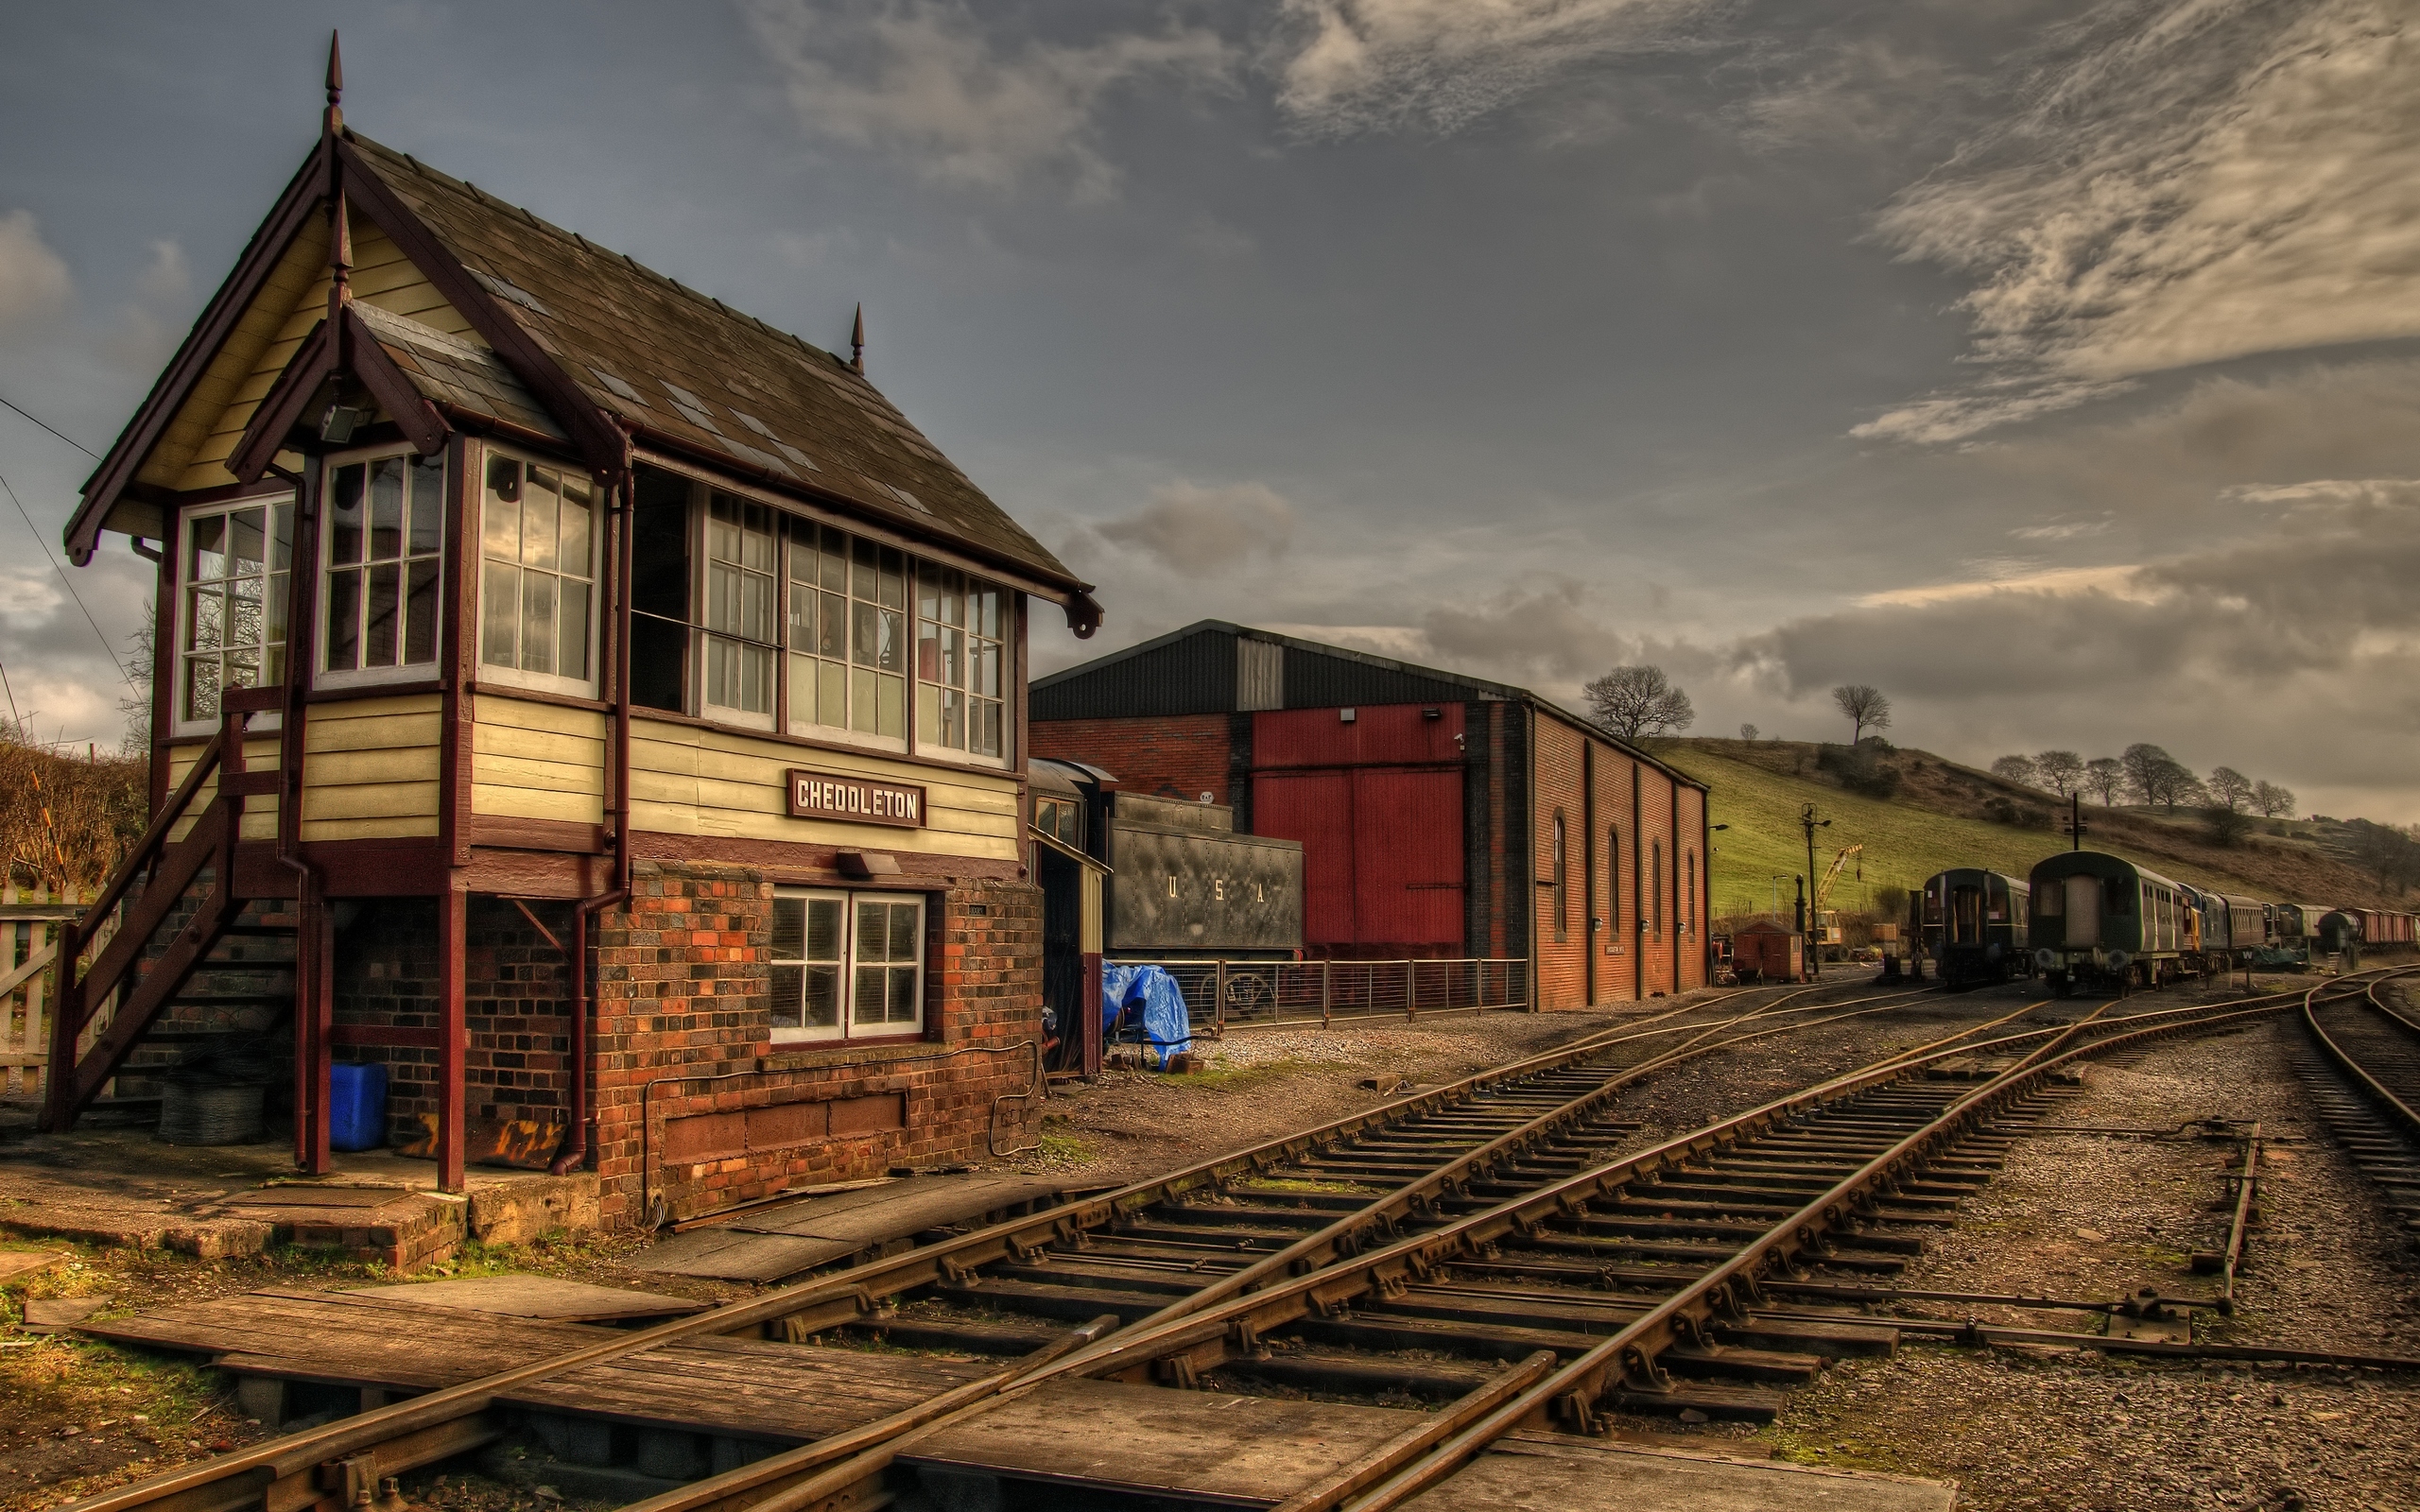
[[1382, 856]]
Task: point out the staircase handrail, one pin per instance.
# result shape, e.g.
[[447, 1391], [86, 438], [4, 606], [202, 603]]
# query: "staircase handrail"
[[147, 850]]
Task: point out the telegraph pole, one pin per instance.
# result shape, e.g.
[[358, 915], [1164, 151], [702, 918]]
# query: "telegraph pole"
[[2076, 826], [1812, 924]]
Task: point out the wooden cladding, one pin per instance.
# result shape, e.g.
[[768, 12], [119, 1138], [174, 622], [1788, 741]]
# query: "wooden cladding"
[[724, 1136], [816, 795]]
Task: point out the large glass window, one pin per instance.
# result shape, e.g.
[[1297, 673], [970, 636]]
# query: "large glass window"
[[237, 581], [739, 643], [382, 551], [848, 634], [959, 656], [538, 575], [847, 965]]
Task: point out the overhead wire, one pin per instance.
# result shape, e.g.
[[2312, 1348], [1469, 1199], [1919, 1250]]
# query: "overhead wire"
[[108, 649]]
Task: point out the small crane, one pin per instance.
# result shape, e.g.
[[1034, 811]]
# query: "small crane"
[[1826, 932]]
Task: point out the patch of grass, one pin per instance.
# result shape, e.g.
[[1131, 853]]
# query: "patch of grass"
[[1058, 1147], [1288, 1183]]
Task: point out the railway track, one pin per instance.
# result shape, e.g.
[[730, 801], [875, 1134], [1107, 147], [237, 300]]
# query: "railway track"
[[1408, 1250], [2365, 1078]]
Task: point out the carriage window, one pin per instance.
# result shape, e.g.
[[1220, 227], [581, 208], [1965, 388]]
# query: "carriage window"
[[2120, 897]]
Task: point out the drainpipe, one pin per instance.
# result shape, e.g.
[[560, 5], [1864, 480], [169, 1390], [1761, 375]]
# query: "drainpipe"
[[622, 494]]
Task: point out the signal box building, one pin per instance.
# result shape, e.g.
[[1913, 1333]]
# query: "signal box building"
[[1440, 815], [600, 708]]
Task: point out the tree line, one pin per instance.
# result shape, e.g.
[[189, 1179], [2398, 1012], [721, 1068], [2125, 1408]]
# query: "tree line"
[[2149, 776]]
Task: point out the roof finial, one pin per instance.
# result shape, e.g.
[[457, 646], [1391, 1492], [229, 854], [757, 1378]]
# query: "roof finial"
[[858, 343], [334, 121]]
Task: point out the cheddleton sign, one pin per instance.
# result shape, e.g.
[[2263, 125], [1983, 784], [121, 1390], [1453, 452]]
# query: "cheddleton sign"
[[835, 796]]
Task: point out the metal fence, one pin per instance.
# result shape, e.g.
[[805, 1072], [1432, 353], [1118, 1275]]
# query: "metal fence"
[[1222, 995]]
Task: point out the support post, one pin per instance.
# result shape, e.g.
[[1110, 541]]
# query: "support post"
[[314, 1024], [1327, 979], [453, 1036]]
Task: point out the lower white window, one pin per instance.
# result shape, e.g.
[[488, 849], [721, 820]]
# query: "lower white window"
[[847, 965]]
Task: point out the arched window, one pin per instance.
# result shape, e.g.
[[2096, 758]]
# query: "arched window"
[[1562, 875], [1614, 888], [1655, 889]]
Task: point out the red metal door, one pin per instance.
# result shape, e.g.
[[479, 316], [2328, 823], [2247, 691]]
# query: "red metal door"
[[1317, 809], [1407, 860]]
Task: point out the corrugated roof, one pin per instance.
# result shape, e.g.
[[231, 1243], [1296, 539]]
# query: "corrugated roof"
[[686, 367]]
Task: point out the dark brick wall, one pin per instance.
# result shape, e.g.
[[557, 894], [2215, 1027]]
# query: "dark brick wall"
[[1181, 756]]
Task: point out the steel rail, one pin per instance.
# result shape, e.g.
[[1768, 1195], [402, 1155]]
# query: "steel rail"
[[2378, 1090], [280, 1473], [1724, 1292], [1237, 1324]]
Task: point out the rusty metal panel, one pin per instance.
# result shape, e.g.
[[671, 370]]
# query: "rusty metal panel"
[[1408, 859], [1315, 810], [1194, 890], [1391, 734]]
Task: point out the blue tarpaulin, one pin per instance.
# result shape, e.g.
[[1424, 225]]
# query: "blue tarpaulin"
[[1157, 1002]]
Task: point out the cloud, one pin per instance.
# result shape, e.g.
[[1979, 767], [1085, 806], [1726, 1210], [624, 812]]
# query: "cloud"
[[2191, 182], [920, 80], [164, 280], [34, 287], [1362, 65], [2236, 651], [1188, 528], [1546, 635]]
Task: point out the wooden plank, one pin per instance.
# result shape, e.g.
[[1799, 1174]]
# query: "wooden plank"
[[550, 1297], [739, 1257], [1195, 1445], [537, 745], [404, 827], [516, 802], [776, 1391], [412, 729], [540, 772], [384, 765], [1581, 1476], [15, 1264], [878, 1214], [502, 711], [388, 800]]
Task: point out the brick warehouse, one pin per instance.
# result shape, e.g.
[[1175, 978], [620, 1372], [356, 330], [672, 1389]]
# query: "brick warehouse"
[[1439, 815], [601, 709]]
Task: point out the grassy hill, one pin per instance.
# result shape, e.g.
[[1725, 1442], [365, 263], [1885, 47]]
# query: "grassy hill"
[[1944, 814]]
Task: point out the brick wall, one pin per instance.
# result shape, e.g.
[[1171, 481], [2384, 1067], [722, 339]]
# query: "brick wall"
[[681, 998], [1178, 756]]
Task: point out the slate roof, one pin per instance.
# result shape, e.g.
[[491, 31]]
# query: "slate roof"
[[691, 370], [451, 370]]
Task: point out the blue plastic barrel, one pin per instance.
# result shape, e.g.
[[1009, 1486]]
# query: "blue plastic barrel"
[[357, 1106]]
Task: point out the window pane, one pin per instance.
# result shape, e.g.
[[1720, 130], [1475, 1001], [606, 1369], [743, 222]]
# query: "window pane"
[[379, 617], [538, 520], [865, 581], [903, 994], [890, 708], [756, 607], [929, 713], [788, 987], [571, 659], [279, 587], [991, 739], [201, 687], [575, 518], [206, 556], [499, 614], [832, 628], [870, 995], [802, 675], [344, 513], [865, 640], [824, 916], [243, 624], [386, 508], [893, 568], [756, 542], [205, 618], [500, 529], [756, 665], [822, 997], [987, 612], [659, 665], [428, 504], [723, 673], [280, 545], [987, 669], [953, 729], [420, 612], [953, 659], [344, 621], [832, 704], [245, 544], [537, 621], [891, 642], [790, 928], [904, 943]]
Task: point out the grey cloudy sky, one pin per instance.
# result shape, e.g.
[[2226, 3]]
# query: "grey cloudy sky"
[[2053, 365]]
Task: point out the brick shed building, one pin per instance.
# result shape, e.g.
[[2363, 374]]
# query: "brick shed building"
[[601, 708], [1439, 815]]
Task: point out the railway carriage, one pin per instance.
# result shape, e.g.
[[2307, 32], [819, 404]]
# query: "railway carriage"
[[2100, 918], [1974, 923], [2222, 928]]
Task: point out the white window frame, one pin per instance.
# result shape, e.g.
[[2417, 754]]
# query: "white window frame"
[[853, 605], [513, 677], [323, 603], [703, 636], [925, 745], [848, 1030], [183, 628]]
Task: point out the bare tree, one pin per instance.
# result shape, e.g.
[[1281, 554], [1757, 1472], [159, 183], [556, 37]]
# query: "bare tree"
[[2104, 777], [2155, 777], [2018, 769], [1864, 706], [2231, 788], [2226, 825], [1749, 733], [2272, 799], [1636, 701], [2061, 771]]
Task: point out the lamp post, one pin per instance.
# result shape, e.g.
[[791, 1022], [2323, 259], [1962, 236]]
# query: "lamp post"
[[1812, 925]]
